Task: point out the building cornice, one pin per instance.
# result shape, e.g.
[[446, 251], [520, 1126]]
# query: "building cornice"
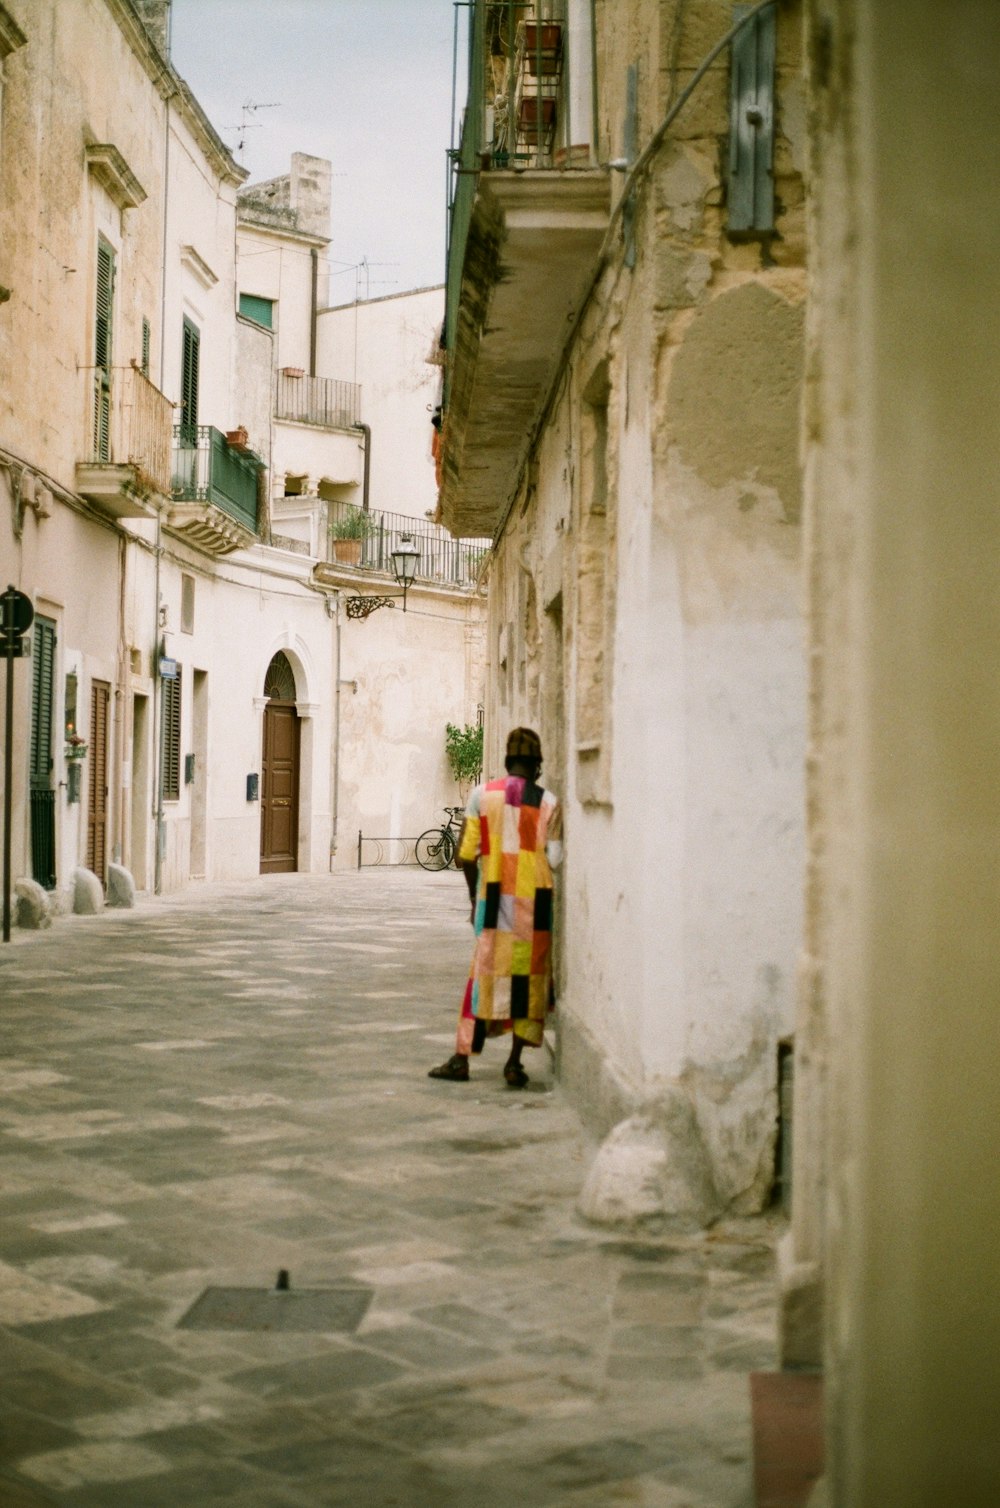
[[172, 88], [278, 232]]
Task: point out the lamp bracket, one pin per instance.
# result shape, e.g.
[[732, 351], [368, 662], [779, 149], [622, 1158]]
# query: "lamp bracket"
[[363, 607]]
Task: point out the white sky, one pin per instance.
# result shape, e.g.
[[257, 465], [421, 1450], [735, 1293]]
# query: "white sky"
[[366, 83]]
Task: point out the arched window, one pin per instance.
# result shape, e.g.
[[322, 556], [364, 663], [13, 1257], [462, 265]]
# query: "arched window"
[[279, 683]]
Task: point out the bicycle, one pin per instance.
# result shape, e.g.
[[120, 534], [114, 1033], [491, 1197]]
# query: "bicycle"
[[436, 848]]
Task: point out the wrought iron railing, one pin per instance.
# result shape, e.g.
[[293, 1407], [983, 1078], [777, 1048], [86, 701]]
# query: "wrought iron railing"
[[367, 540], [132, 425], [206, 469], [317, 400], [517, 114]]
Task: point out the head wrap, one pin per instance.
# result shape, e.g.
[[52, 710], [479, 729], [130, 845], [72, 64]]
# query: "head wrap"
[[524, 743]]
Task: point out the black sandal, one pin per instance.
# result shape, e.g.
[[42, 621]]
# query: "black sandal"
[[456, 1068], [514, 1076]]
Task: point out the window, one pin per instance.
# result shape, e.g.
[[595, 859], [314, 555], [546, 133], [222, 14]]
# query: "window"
[[145, 348], [190, 365], [261, 310], [170, 742], [102, 351], [187, 604]]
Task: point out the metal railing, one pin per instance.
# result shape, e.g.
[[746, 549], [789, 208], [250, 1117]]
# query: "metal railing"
[[206, 469], [367, 540], [317, 400], [132, 424], [517, 112], [384, 852]]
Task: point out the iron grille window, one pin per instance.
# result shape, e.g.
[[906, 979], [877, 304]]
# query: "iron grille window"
[[171, 737], [190, 364], [102, 351]]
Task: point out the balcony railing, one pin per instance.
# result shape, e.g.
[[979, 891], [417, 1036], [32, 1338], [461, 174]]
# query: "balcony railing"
[[367, 540], [132, 424], [519, 110], [317, 400], [208, 470]]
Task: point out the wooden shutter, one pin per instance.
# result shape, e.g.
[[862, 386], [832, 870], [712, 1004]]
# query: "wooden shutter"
[[171, 739], [43, 673], [189, 381], [102, 351]]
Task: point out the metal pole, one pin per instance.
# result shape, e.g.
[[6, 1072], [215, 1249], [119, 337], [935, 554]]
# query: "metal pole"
[[8, 775]]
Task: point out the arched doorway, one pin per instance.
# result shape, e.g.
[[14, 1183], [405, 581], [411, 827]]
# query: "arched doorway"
[[279, 797]]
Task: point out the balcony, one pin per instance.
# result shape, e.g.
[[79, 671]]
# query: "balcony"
[[364, 542], [528, 215], [214, 491], [317, 400], [127, 472]]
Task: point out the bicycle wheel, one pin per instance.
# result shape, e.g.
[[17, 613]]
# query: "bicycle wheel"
[[434, 848]]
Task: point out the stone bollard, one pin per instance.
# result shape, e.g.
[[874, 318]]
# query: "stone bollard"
[[121, 886], [652, 1171], [32, 906], [88, 893]]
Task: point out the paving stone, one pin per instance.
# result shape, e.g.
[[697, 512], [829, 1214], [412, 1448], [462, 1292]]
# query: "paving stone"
[[208, 1088]]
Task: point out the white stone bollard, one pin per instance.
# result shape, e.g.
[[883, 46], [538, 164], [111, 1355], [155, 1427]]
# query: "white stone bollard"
[[32, 905], [121, 886], [88, 893]]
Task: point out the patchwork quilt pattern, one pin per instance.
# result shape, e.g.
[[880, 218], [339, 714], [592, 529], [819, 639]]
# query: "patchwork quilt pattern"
[[508, 823]]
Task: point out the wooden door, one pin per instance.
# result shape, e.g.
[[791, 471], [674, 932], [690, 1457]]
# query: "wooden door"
[[279, 800], [97, 791]]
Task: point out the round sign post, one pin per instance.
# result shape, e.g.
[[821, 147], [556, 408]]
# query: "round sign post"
[[16, 617]]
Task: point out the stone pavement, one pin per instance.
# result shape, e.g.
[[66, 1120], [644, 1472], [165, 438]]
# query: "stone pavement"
[[222, 1084]]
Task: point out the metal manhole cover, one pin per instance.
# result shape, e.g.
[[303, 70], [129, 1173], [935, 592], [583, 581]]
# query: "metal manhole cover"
[[312, 1309]]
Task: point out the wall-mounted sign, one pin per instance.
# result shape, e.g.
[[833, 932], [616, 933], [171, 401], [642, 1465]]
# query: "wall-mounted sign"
[[168, 670]]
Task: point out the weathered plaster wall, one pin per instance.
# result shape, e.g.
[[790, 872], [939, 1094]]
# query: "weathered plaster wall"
[[663, 506], [385, 345], [402, 680], [899, 999]]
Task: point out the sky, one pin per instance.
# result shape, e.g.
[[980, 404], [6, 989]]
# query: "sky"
[[366, 83]]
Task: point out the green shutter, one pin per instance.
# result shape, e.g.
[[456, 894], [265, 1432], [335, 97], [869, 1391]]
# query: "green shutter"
[[145, 348], [190, 365], [43, 673], [261, 310], [171, 736], [751, 123], [102, 350]]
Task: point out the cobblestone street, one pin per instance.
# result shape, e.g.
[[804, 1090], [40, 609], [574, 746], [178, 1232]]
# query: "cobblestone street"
[[231, 1082]]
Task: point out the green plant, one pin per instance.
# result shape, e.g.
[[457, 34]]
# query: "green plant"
[[464, 749], [355, 524]]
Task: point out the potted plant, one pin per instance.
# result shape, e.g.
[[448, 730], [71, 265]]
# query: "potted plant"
[[464, 751], [348, 534]]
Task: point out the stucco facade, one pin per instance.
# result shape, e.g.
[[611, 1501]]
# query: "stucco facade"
[[890, 1276], [645, 602], [145, 441]]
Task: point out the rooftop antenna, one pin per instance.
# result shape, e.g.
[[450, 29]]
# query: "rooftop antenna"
[[250, 107]]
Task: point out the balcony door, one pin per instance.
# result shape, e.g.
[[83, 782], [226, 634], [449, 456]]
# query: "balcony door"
[[279, 797]]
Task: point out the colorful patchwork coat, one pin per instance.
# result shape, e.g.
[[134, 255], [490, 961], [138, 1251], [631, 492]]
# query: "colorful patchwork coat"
[[511, 827]]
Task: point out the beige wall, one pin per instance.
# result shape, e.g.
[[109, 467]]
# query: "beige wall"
[[898, 1191], [646, 611]]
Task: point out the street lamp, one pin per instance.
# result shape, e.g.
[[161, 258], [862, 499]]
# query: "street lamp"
[[405, 558]]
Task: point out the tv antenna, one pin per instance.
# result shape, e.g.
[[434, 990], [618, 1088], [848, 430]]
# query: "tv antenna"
[[250, 108]]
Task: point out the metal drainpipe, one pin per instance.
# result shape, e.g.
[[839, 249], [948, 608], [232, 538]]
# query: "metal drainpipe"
[[157, 688], [314, 256], [335, 762], [366, 430]]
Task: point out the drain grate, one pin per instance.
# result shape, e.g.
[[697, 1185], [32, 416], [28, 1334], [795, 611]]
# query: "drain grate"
[[275, 1309]]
